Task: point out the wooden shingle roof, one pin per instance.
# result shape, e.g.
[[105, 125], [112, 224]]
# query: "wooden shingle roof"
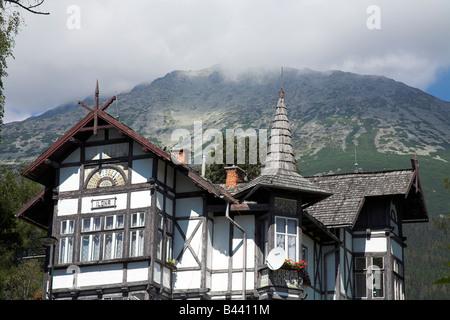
[[350, 191]]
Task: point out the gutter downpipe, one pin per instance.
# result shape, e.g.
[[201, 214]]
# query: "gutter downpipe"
[[325, 256], [244, 262]]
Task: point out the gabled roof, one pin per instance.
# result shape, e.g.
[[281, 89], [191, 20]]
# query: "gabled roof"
[[42, 170], [351, 190]]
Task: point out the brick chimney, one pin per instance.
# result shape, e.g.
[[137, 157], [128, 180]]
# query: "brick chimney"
[[180, 156], [235, 175]]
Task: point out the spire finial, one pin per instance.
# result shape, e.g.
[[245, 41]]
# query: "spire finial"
[[96, 95], [281, 90]]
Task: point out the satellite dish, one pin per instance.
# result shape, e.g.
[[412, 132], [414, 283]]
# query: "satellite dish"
[[275, 258]]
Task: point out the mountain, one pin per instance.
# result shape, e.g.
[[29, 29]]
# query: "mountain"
[[335, 117]]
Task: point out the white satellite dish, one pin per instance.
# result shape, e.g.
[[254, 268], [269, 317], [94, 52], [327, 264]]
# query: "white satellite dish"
[[275, 258]]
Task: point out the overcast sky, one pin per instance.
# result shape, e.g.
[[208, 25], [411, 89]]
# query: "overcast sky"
[[123, 43]]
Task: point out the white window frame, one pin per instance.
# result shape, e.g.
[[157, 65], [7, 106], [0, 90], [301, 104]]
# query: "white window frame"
[[91, 248], [116, 221], [91, 224], [65, 250], [137, 234], [285, 234], [376, 271], [137, 243], [137, 219], [115, 252], [67, 227]]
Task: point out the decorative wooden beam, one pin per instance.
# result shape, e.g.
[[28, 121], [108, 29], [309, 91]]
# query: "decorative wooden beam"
[[108, 103], [96, 110]]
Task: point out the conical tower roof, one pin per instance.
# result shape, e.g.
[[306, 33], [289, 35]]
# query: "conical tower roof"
[[280, 155], [279, 170]]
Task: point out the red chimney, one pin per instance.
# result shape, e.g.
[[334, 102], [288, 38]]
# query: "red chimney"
[[180, 156], [235, 175]]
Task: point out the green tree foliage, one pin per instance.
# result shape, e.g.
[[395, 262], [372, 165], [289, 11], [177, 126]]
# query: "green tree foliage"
[[216, 172], [443, 224], [17, 238], [10, 21], [9, 27]]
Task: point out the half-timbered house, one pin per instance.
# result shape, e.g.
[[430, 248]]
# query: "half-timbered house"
[[130, 221]]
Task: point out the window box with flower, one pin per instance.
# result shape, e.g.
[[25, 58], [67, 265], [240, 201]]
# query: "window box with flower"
[[298, 267]]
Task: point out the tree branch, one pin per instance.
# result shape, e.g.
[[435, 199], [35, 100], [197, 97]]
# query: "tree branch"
[[28, 8]]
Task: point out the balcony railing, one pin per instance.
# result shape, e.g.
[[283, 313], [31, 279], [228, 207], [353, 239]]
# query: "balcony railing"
[[281, 280]]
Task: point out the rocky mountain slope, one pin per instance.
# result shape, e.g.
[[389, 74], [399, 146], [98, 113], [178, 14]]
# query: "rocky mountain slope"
[[326, 109]]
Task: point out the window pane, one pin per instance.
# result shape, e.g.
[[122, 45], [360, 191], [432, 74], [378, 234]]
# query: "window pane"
[[96, 226], [62, 250], [378, 284], [86, 225], [69, 250], [159, 246], [160, 221], [292, 226], [84, 248], [63, 226], [119, 245], [134, 218], [292, 246], [280, 241], [109, 222], [378, 261], [141, 243], [169, 248], [133, 243], [159, 200], [281, 225], [136, 243], [119, 221], [360, 263], [169, 226], [95, 247], [360, 284], [108, 246], [169, 206]]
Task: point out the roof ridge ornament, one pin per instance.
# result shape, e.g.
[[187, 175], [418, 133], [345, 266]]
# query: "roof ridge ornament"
[[96, 109]]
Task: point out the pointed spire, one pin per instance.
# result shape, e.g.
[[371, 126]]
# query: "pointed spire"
[[280, 154]]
